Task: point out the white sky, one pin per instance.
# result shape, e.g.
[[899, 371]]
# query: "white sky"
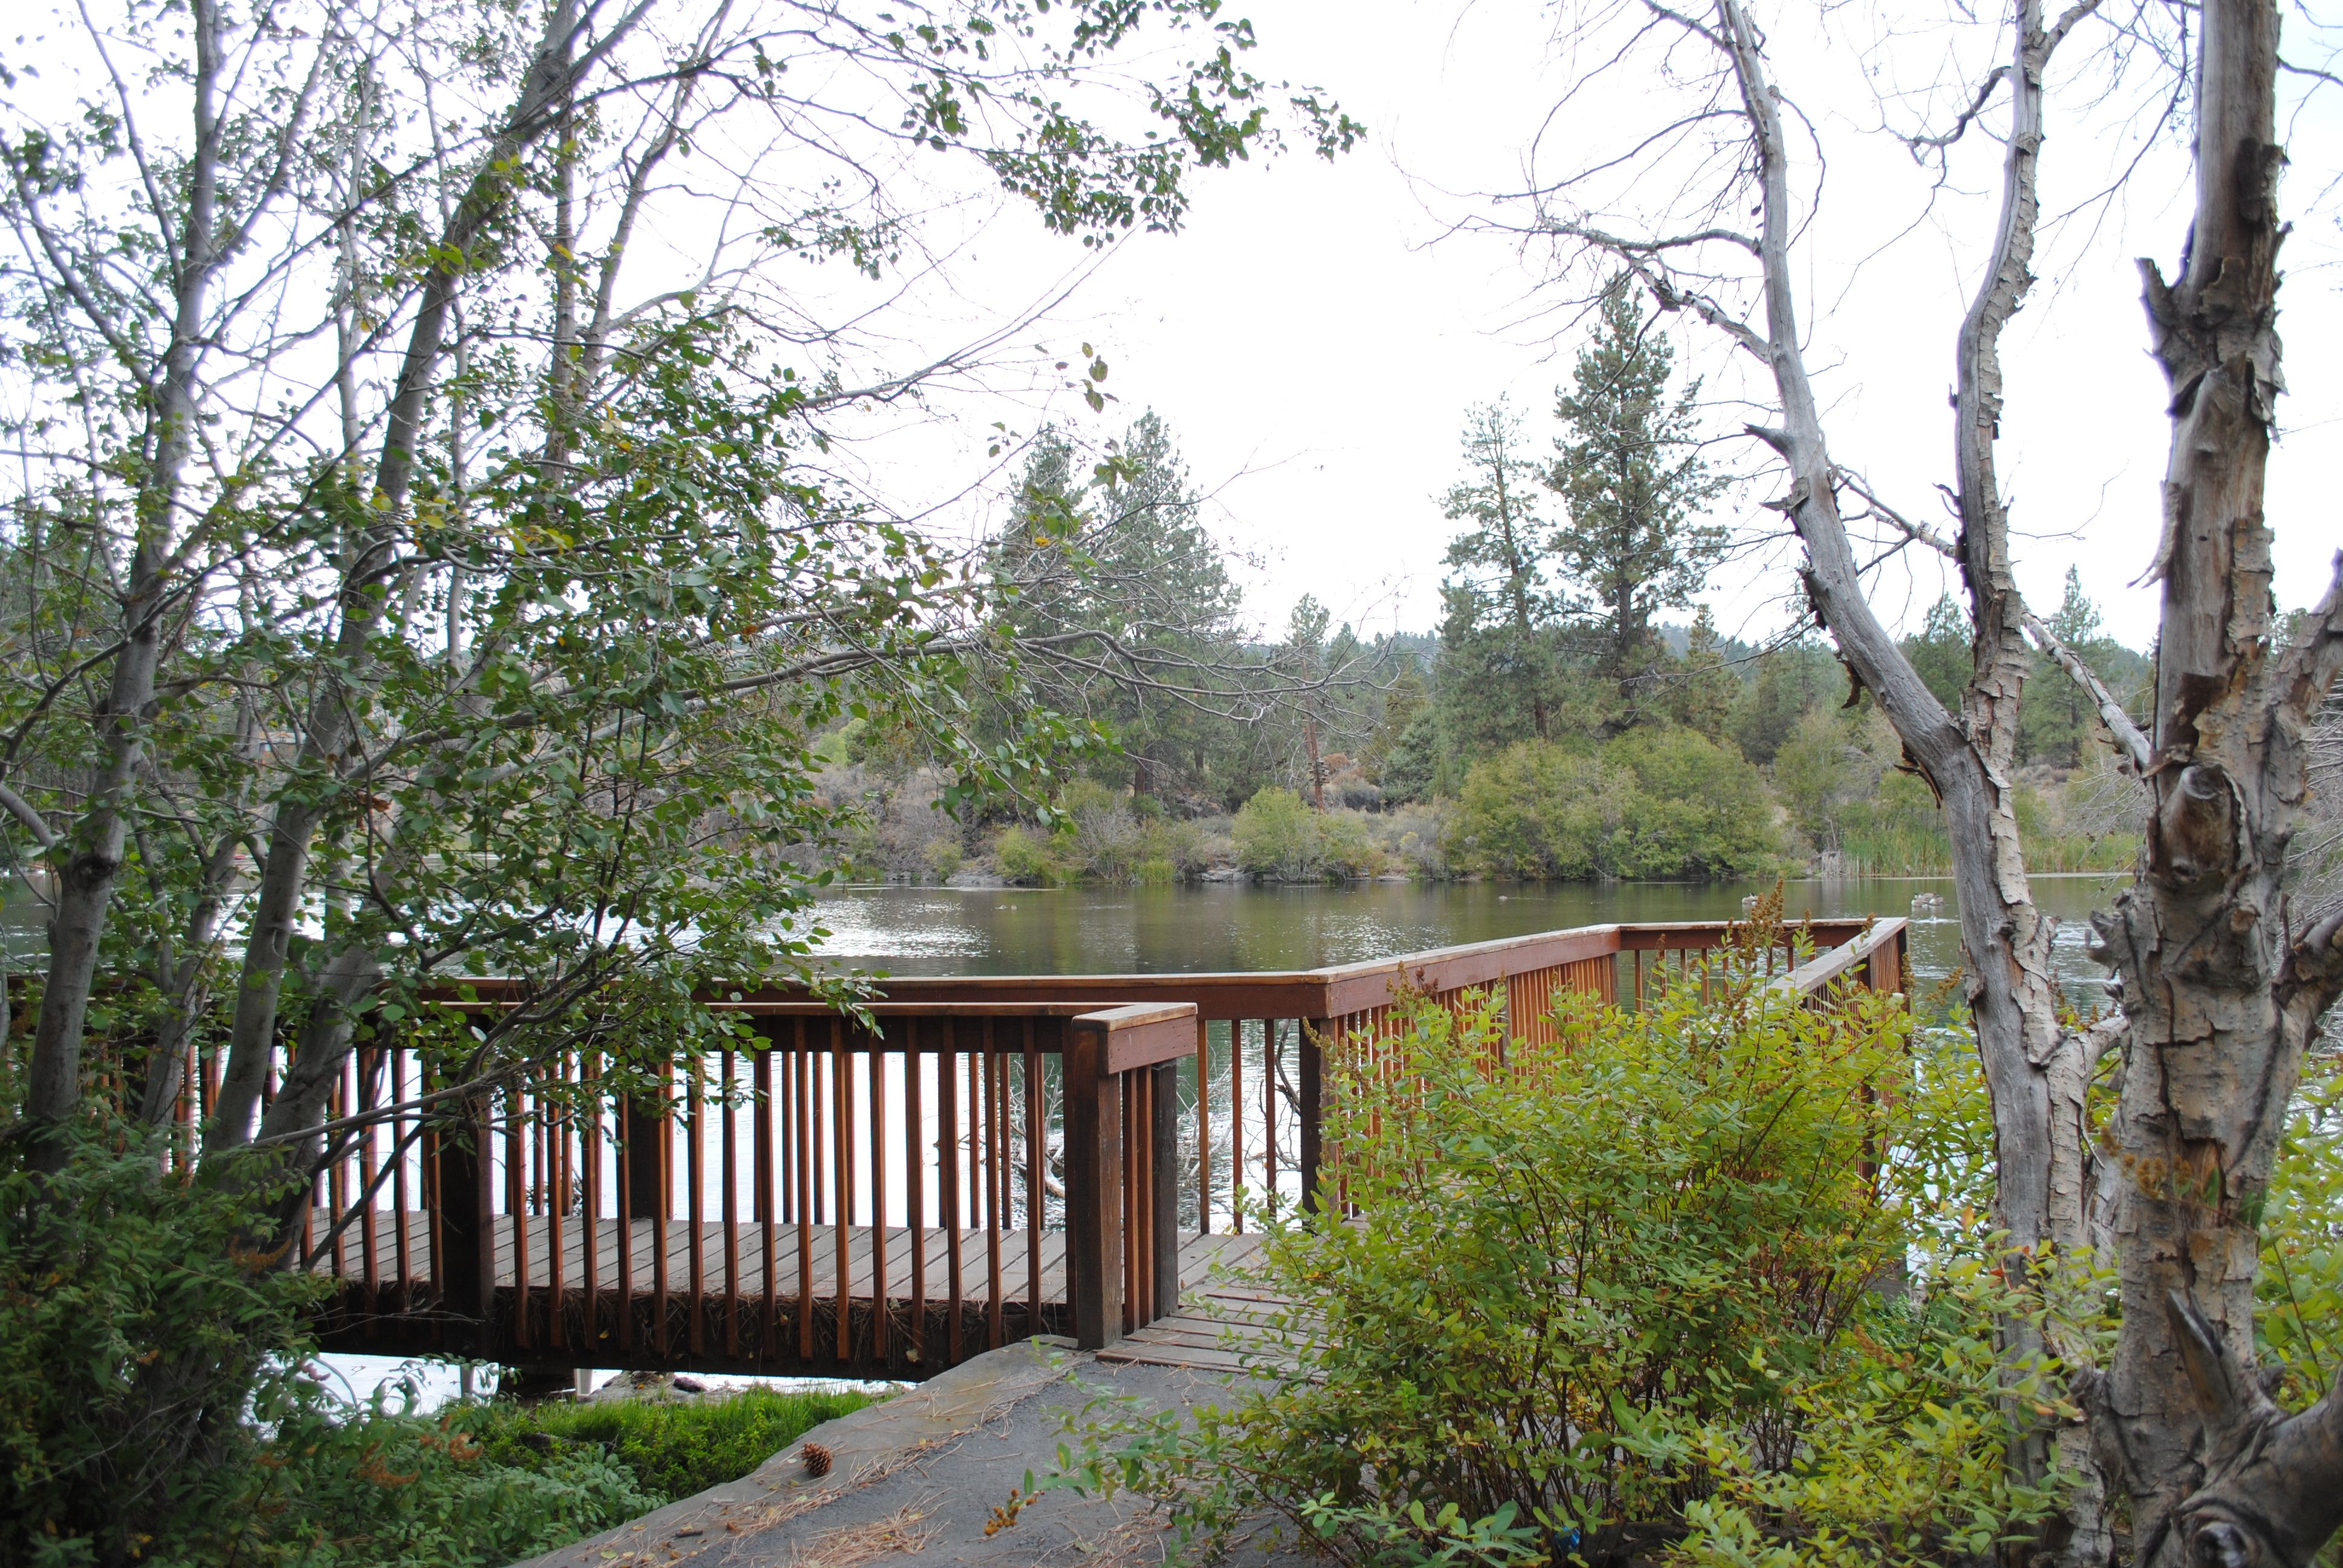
[[1314, 343]]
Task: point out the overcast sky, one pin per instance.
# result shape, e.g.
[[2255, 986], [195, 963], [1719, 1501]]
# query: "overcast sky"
[[1314, 341]]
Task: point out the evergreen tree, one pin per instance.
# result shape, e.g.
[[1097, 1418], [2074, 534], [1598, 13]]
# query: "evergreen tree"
[[1940, 654], [1631, 475], [1119, 552], [1500, 642], [2056, 722]]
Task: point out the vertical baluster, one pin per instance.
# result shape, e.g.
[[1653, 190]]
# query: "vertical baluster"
[[591, 1203], [948, 1113], [624, 1137], [731, 1218], [880, 1310], [662, 1157], [993, 1190], [401, 1204], [841, 1185], [915, 1182], [338, 1195], [371, 1270], [768, 1112], [517, 1202], [1271, 1043], [801, 1109], [1036, 1196], [696, 1173], [1236, 1126], [554, 1119], [1203, 1125], [975, 1188]]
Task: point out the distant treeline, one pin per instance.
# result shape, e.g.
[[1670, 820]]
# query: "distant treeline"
[[1577, 714]]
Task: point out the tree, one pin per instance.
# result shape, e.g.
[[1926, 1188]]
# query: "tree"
[[1499, 636], [2060, 720], [1632, 478], [421, 573], [1114, 570], [1940, 653], [2220, 991]]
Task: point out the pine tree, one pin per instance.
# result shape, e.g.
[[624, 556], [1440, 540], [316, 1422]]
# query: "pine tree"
[[1499, 638], [1631, 475]]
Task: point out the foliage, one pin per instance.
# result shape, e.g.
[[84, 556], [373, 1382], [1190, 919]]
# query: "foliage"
[[2300, 1288], [134, 1336], [1655, 803], [674, 1448], [1277, 835], [156, 1404], [386, 1487], [1632, 476], [1501, 639], [1620, 1288]]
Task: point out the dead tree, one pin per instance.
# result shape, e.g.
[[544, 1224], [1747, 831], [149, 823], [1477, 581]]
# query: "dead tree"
[[2220, 990]]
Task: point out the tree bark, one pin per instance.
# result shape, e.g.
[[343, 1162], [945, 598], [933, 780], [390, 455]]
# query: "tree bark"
[[91, 864], [330, 731], [2220, 1000]]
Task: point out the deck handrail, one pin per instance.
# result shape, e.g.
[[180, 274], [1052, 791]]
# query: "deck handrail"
[[1062, 1133]]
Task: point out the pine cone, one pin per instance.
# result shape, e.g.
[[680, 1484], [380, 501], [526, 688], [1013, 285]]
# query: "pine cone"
[[816, 1460]]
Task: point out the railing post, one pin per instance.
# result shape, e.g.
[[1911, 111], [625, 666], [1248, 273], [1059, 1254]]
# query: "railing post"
[[1093, 1190], [648, 1134], [463, 1253], [1315, 1031], [1165, 1165]]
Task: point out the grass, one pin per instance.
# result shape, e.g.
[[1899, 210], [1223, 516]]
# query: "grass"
[[675, 1449]]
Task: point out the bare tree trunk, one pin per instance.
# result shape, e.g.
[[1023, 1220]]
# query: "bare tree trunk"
[[2221, 996]]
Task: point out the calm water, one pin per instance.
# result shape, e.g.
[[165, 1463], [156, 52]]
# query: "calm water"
[[1111, 931]]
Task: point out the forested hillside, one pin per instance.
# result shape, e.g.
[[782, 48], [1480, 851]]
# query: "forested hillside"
[[1577, 714]]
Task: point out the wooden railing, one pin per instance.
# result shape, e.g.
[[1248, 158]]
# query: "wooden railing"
[[988, 1158]]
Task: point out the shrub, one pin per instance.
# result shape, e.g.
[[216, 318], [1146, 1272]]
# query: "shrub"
[[1538, 811], [1655, 803], [1021, 857], [135, 1337], [1698, 811], [1277, 835], [383, 1487], [672, 1449], [1346, 848], [1623, 1292]]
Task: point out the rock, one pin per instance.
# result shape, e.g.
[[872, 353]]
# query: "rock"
[[681, 1387]]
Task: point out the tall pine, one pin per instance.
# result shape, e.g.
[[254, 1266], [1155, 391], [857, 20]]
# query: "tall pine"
[[1633, 483]]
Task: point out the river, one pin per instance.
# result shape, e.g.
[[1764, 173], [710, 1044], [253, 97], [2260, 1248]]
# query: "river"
[[1233, 925]]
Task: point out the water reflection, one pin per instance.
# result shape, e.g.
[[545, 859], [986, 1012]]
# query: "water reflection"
[[1152, 931]]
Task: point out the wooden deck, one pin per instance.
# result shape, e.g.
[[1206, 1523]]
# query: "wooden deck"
[[749, 1323], [1226, 1322]]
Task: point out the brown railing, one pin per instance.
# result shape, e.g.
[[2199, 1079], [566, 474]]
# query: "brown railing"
[[990, 1158]]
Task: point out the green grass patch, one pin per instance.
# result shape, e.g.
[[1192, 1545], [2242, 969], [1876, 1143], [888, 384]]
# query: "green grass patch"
[[673, 1448]]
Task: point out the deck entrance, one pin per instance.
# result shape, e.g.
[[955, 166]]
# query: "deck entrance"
[[983, 1160]]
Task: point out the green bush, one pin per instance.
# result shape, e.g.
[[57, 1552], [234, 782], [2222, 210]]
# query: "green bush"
[[157, 1404], [1699, 810], [134, 1338], [1346, 849], [1277, 835], [673, 1449], [1021, 856], [1630, 1293], [1656, 802], [383, 1487]]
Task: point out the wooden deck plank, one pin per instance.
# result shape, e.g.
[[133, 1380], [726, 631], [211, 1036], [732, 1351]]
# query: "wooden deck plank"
[[975, 1262]]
